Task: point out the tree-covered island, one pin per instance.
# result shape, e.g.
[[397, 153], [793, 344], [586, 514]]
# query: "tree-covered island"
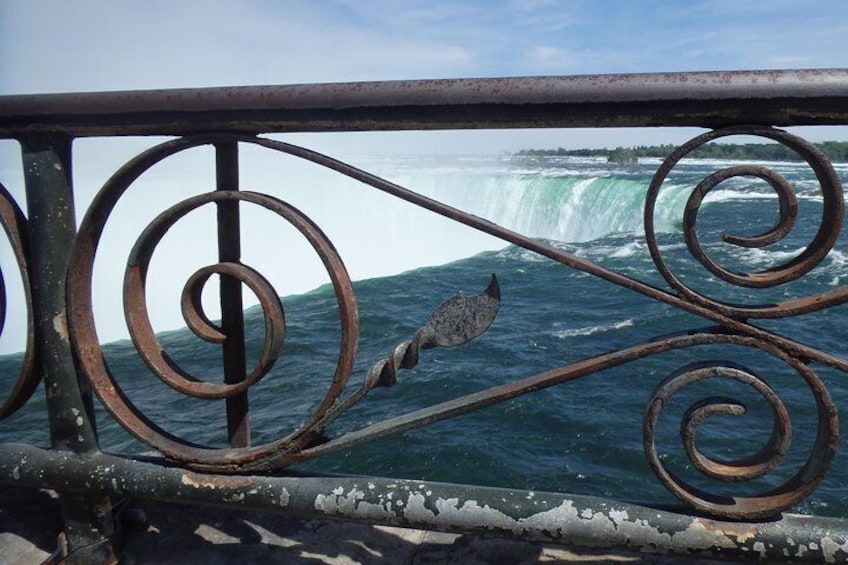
[[834, 150]]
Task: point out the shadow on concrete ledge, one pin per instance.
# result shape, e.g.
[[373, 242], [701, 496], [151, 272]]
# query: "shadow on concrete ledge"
[[173, 533]]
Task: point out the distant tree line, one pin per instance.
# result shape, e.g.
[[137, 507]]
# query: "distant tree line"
[[835, 151]]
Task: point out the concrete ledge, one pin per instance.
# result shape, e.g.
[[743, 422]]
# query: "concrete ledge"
[[174, 533], [574, 521]]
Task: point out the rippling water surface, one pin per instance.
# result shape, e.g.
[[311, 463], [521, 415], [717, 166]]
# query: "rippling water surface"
[[583, 436]]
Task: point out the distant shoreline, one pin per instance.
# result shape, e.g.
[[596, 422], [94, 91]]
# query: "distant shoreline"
[[836, 151]]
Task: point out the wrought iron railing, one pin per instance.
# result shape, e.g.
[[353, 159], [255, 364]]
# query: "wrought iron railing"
[[56, 263]]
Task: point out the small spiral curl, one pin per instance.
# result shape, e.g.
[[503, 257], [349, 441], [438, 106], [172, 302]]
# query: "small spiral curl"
[[757, 465], [788, 212], [141, 329], [823, 241]]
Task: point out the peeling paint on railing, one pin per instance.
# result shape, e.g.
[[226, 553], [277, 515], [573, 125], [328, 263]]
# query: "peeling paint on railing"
[[572, 520]]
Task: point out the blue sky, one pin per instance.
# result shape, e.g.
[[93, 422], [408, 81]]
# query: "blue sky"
[[85, 45], [92, 45], [97, 45]]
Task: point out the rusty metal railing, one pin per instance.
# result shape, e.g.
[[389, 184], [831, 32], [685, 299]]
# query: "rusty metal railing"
[[56, 262]]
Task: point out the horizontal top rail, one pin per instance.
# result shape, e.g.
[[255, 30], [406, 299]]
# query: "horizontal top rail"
[[706, 99]]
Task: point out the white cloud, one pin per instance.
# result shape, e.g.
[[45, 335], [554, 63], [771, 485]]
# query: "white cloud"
[[91, 45], [550, 60], [547, 53]]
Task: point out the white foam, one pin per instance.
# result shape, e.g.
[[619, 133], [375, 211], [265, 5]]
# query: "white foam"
[[591, 330]]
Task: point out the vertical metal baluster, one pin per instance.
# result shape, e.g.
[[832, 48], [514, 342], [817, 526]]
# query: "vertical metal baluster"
[[89, 527], [232, 320]]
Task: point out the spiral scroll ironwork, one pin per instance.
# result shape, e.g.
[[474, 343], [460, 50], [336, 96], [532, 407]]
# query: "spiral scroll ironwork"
[[308, 439], [84, 333], [792, 491], [809, 258], [800, 485], [135, 303], [15, 225]]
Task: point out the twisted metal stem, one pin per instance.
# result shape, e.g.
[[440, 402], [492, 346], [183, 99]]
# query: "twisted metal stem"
[[454, 322]]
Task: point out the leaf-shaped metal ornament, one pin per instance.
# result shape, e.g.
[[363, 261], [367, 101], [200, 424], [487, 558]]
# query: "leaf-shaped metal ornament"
[[461, 318], [454, 322]]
